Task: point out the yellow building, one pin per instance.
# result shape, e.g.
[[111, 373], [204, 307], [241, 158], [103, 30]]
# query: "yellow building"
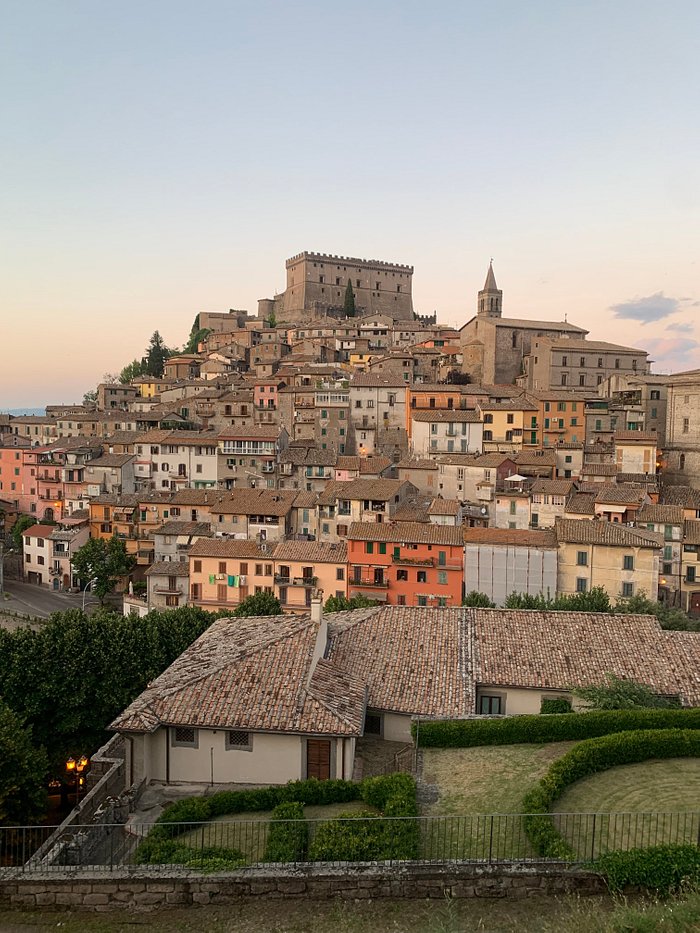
[[224, 572], [624, 561], [508, 424]]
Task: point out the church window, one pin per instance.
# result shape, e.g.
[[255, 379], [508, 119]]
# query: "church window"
[[514, 339], [564, 361], [564, 379]]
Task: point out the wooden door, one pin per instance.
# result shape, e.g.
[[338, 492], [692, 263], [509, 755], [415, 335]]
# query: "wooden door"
[[318, 759], [695, 603]]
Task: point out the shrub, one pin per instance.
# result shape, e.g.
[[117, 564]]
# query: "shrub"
[[158, 851], [288, 837], [660, 869], [587, 758], [512, 730], [555, 705], [351, 837]]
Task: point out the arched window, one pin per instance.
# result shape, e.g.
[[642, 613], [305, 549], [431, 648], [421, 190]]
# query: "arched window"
[[681, 462]]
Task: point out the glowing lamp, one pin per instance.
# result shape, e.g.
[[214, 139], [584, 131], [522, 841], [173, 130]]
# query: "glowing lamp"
[[70, 764]]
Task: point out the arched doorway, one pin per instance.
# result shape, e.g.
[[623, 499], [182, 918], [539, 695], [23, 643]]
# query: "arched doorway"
[[48, 514], [56, 583]]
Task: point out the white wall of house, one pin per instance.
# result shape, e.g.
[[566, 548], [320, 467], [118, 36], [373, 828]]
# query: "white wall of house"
[[511, 512], [396, 728], [518, 701]]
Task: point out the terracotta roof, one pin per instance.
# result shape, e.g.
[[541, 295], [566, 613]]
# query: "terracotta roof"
[[252, 674], [599, 469], [575, 531], [381, 490], [267, 432], [511, 537], [184, 528], [620, 494], [110, 461], [635, 437], [691, 532], [410, 532], [227, 548], [583, 345], [450, 415], [660, 514], [416, 464], [511, 404], [255, 502], [305, 500], [546, 456], [558, 650], [552, 487], [650, 480], [581, 503], [311, 456], [198, 496], [685, 496], [315, 551], [363, 464], [39, 531], [413, 661], [445, 507], [375, 380], [168, 568]]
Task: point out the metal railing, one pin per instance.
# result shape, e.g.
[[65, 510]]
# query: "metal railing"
[[239, 842]]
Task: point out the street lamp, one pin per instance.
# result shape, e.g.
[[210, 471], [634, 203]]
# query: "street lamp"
[[86, 588], [75, 768]]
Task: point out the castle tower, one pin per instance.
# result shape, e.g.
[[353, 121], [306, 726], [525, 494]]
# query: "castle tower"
[[490, 298]]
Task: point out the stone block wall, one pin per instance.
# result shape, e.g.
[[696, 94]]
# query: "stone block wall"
[[147, 890]]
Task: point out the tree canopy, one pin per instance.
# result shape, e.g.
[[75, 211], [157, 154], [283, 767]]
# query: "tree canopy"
[[259, 604], [132, 370], [342, 603], [478, 600], [616, 693], [103, 561], [22, 523], [156, 355], [349, 303], [22, 793]]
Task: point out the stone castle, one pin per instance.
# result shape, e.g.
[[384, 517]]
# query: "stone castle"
[[316, 284]]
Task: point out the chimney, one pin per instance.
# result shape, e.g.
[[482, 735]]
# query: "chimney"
[[321, 626]]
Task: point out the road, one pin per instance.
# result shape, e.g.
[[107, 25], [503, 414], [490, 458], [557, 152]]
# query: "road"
[[34, 600]]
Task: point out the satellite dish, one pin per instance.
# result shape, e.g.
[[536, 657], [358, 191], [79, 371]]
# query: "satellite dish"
[[484, 510]]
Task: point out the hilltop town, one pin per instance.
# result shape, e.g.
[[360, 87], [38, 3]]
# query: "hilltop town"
[[338, 442]]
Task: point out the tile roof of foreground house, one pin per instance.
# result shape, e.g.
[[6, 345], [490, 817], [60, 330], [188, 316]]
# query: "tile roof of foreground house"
[[413, 532], [620, 494], [442, 506], [660, 514], [574, 531], [552, 487], [558, 650], [251, 674], [412, 661], [318, 551], [599, 469]]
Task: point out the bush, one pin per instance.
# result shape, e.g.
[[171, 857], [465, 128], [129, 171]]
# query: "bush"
[[557, 705], [288, 837], [660, 869], [351, 837], [590, 757], [158, 851], [512, 730]]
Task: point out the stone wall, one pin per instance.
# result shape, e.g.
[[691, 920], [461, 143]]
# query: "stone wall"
[[147, 890]]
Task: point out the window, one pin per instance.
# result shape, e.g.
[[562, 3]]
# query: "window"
[[582, 361], [582, 559], [564, 379], [564, 361], [442, 577], [243, 569], [655, 395], [628, 562], [236, 739], [581, 584], [184, 737], [491, 705], [340, 573], [627, 590], [617, 364], [422, 576], [222, 566], [582, 379], [510, 419], [690, 575], [369, 547], [513, 506], [422, 600], [686, 425]]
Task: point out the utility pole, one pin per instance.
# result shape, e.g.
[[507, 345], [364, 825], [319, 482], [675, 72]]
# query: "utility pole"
[[2, 568]]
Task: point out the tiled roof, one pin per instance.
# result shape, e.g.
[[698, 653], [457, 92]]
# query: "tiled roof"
[[227, 548], [184, 528], [547, 456], [511, 537], [581, 503], [417, 464], [375, 380], [38, 531], [315, 551], [691, 532], [449, 415], [255, 502], [381, 490], [311, 456], [268, 432], [305, 500], [511, 404], [198, 496], [445, 507], [685, 496], [635, 437], [660, 514], [599, 469], [552, 487], [110, 460], [650, 480], [584, 345], [559, 650], [363, 464], [413, 661], [575, 531], [251, 674], [620, 494], [409, 532], [168, 568]]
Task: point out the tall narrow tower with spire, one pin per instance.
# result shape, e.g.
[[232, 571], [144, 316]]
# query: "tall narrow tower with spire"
[[490, 298]]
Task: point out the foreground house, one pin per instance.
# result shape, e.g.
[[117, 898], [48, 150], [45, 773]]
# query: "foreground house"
[[268, 700]]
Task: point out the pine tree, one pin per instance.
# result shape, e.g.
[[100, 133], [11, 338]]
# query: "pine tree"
[[156, 355], [349, 305]]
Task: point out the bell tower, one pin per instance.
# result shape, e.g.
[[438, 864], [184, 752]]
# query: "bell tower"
[[490, 298]]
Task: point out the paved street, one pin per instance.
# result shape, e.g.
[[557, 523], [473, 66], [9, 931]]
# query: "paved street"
[[30, 599]]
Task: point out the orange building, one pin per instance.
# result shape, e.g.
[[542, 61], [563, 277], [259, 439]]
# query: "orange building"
[[302, 567], [406, 563], [560, 418], [224, 572]]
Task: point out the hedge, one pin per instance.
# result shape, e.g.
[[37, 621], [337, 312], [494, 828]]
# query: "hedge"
[[288, 836], [512, 730], [590, 757], [659, 869], [394, 795], [558, 705]]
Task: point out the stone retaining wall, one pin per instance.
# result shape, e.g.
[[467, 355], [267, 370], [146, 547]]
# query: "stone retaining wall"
[[147, 890]]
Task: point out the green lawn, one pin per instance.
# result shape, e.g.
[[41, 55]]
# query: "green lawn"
[[475, 781], [651, 802], [247, 832]]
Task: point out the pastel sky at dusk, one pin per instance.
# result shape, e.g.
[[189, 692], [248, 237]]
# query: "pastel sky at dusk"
[[160, 158]]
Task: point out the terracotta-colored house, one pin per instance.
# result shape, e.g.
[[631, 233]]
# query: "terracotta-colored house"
[[406, 563], [224, 572], [302, 567]]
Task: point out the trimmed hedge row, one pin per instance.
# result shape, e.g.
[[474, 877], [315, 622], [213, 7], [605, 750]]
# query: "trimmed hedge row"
[[512, 730], [660, 869], [347, 838], [589, 757]]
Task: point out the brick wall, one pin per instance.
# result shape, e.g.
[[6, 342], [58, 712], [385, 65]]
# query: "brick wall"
[[142, 890]]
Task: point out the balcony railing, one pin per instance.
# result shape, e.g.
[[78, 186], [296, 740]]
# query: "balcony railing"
[[379, 584], [410, 562], [295, 581], [166, 590]]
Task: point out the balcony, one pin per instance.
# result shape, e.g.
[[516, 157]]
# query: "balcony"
[[382, 584], [164, 589], [295, 581], [410, 562]]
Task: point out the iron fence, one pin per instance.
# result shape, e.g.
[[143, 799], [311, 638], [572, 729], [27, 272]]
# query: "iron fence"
[[234, 843]]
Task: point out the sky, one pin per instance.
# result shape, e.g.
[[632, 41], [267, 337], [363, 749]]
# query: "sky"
[[162, 158]]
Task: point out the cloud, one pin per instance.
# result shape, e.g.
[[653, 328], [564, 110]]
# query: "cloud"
[[673, 353], [652, 308], [680, 328]]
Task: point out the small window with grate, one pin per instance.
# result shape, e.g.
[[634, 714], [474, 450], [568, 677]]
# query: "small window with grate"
[[184, 736], [237, 739]]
